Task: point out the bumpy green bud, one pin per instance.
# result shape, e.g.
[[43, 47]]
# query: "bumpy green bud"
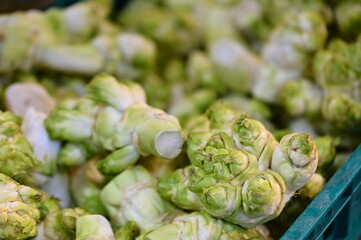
[[292, 42], [16, 154], [326, 148], [260, 198], [342, 110], [252, 136], [300, 97], [313, 187], [295, 159], [220, 116], [175, 189], [336, 68], [128, 232], [18, 207]]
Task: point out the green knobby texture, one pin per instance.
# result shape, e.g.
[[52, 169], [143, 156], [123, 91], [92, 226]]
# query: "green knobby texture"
[[291, 44], [326, 148], [200, 225], [18, 207], [252, 136], [128, 232], [336, 68], [258, 199], [175, 189], [301, 98], [132, 196], [295, 159], [313, 187], [220, 116], [94, 227], [16, 154], [341, 110]]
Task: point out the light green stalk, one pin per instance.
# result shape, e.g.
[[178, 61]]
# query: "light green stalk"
[[59, 225], [85, 185], [293, 41], [201, 72], [192, 104], [95, 227], [18, 207], [295, 159], [138, 55], [178, 30], [132, 196], [114, 117], [199, 225]]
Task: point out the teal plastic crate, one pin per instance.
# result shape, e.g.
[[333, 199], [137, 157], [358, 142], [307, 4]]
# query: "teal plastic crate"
[[336, 211]]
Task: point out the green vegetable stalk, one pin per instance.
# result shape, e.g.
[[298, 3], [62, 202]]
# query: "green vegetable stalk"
[[132, 196], [128, 232], [200, 225], [114, 117], [85, 184], [94, 227], [295, 159], [60, 224], [16, 154], [301, 98], [238, 171], [18, 207]]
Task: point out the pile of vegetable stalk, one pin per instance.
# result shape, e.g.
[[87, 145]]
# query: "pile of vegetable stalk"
[[174, 119]]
